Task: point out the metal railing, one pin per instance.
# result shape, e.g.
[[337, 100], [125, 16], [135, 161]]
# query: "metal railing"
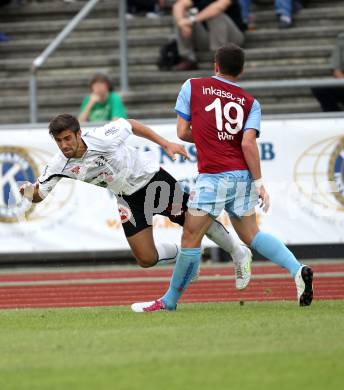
[[293, 83], [41, 59]]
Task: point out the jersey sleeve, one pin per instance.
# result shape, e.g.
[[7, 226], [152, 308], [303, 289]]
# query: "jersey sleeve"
[[254, 118], [114, 133], [51, 175], [182, 107]]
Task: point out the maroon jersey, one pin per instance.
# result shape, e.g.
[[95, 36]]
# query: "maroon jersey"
[[219, 111]]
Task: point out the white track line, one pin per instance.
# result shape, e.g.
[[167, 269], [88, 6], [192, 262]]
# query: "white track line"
[[152, 280], [117, 267]]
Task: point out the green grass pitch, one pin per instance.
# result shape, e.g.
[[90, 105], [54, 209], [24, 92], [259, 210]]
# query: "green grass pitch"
[[259, 345]]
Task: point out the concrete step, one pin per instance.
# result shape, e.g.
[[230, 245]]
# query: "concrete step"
[[16, 30], [53, 10], [275, 36], [101, 45], [90, 27], [11, 89], [295, 69], [72, 98], [161, 111], [307, 16], [147, 61]]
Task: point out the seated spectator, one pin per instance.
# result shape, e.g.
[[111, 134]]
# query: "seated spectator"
[[203, 25], [283, 8], [149, 8], [332, 98], [102, 104]]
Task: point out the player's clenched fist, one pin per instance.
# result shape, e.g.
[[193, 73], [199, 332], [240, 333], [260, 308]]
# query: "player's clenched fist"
[[264, 198], [27, 190]]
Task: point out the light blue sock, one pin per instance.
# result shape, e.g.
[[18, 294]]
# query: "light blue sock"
[[185, 269], [274, 249]]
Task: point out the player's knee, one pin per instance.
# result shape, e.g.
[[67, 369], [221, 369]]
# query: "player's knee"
[[247, 237], [144, 264], [146, 260], [189, 239]]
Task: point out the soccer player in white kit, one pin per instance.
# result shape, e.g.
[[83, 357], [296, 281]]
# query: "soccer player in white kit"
[[100, 156]]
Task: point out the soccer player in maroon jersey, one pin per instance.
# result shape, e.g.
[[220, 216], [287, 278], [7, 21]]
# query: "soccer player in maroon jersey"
[[223, 120]]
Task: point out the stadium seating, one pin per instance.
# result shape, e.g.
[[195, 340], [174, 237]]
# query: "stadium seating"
[[272, 54]]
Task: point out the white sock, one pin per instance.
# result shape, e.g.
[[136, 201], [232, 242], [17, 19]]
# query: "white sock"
[[218, 233], [167, 253]]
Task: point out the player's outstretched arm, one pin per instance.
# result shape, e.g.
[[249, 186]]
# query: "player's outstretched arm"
[[183, 130], [30, 191], [251, 153], [170, 148]]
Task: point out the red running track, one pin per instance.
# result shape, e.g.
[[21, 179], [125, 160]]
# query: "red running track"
[[115, 287]]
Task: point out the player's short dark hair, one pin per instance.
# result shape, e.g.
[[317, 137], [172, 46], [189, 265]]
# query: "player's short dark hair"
[[230, 59], [63, 122], [101, 78]]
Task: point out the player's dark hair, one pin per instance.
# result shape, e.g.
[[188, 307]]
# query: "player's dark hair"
[[230, 59], [63, 122], [101, 78]]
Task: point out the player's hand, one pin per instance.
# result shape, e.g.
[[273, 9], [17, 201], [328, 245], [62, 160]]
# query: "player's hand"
[[27, 190], [264, 199], [172, 149]]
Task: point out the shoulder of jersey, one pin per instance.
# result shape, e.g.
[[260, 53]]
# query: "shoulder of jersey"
[[58, 161]]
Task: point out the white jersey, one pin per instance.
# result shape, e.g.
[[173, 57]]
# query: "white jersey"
[[108, 162]]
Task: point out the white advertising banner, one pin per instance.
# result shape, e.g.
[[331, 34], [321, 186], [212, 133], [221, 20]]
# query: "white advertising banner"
[[303, 169]]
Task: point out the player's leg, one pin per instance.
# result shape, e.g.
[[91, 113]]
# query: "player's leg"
[[196, 224], [147, 253], [137, 226], [241, 254], [266, 244], [176, 209], [274, 249]]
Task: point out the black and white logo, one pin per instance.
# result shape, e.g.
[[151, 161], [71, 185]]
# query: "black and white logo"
[[16, 167]]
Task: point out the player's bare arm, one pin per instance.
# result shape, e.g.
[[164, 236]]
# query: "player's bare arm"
[[31, 192], [170, 148], [251, 153], [184, 130]]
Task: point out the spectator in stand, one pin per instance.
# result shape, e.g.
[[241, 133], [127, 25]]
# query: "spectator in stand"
[[203, 25], [149, 8], [332, 98], [102, 104], [284, 11]]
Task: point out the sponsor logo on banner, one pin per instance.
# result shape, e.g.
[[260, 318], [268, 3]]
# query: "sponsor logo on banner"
[[319, 177], [16, 167], [336, 171], [19, 165]]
